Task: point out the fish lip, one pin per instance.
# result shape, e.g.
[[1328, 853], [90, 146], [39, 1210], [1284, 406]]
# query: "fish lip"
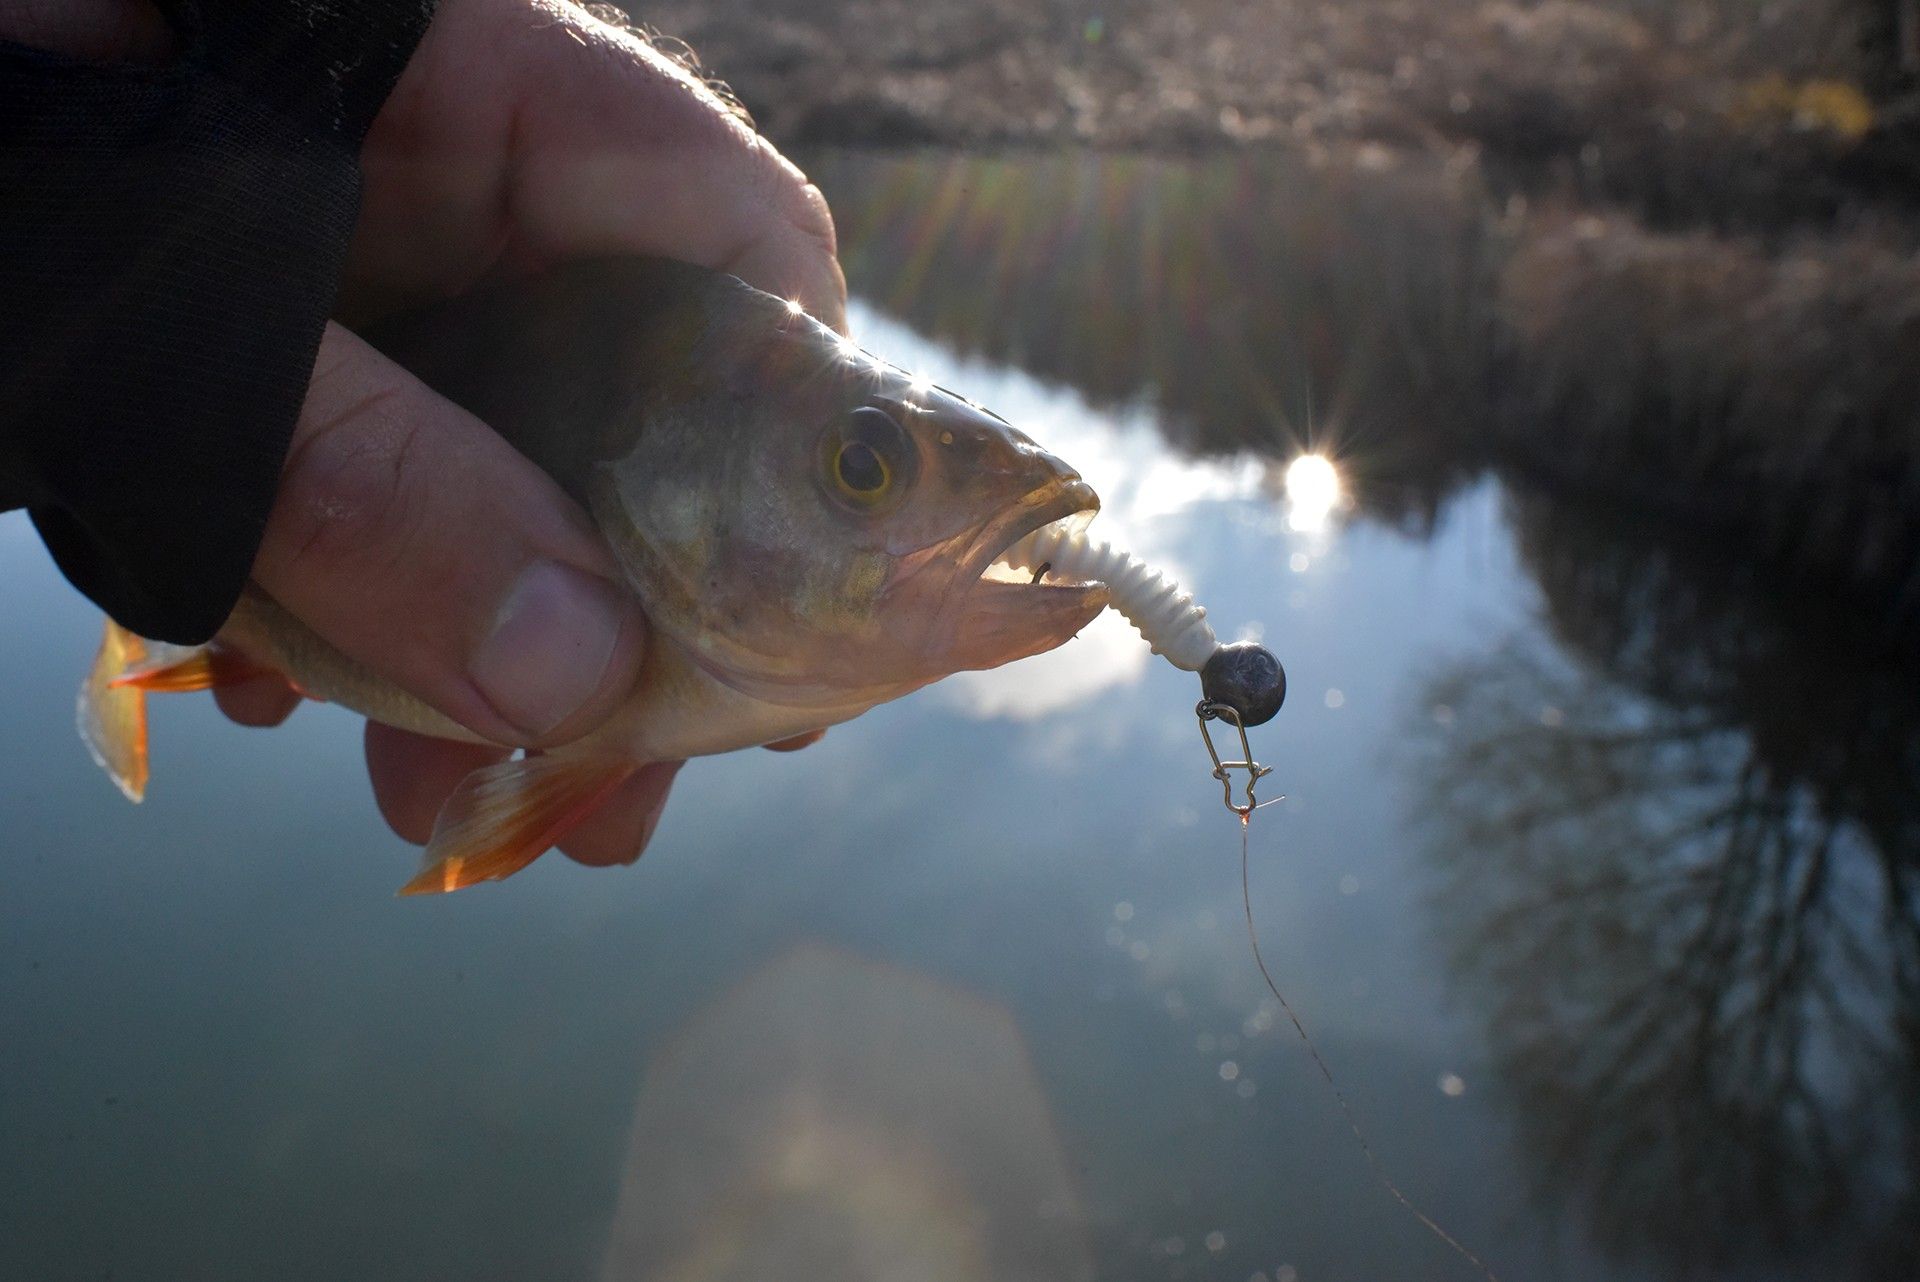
[[1066, 497], [1062, 598]]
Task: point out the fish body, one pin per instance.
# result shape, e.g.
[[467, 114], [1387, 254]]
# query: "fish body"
[[807, 528]]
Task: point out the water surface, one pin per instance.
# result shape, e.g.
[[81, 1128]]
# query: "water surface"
[[1594, 884]]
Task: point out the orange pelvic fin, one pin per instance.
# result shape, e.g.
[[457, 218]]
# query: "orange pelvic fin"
[[797, 742], [171, 669], [113, 718], [502, 818]]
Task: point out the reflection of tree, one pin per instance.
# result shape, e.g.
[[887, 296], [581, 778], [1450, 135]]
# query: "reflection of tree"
[[1257, 302], [1684, 877]]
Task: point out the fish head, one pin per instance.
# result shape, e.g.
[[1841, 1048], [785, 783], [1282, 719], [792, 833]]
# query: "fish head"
[[815, 527]]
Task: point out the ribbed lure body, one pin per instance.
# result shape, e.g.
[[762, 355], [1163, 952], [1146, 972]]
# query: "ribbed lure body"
[[1155, 605]]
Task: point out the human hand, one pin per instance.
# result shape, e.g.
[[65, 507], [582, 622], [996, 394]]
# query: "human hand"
[[408, 534]]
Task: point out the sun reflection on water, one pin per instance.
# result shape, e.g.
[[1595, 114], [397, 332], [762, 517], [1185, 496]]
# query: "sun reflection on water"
[[1313, 493]]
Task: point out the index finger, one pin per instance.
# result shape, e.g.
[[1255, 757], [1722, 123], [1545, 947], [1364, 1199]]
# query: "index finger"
[[621, 149]]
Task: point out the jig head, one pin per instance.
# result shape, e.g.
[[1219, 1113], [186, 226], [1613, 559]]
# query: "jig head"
[[1243, 685]]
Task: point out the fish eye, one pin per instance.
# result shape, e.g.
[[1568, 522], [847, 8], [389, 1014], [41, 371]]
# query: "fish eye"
[[869, 458], [861, 471]]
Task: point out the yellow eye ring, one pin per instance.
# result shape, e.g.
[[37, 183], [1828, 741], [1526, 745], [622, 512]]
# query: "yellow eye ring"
[[860, 472], [867, 461]]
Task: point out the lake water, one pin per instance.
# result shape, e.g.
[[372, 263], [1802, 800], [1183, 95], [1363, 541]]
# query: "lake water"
[[1595, 886]]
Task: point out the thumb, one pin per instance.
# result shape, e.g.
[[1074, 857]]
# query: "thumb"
[[419, 543]]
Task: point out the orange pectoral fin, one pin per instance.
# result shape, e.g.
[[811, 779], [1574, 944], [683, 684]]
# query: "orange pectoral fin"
[[502, 818], [113, 718]]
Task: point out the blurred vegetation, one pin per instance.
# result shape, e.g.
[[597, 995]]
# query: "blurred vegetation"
[[1743, 113]]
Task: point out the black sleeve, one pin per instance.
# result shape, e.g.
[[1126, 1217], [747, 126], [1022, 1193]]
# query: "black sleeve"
[[171, 240]]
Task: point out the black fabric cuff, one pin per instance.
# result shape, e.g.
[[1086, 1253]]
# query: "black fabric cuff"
[[171, 241]]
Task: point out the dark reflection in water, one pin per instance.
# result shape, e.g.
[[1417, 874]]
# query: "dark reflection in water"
[[1382, 307], [1678, 866], [1254, 301]]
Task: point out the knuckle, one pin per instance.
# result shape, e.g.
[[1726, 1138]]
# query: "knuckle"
[[350, 494]]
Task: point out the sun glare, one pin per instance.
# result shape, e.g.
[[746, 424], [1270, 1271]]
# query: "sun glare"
[[1313, 491]]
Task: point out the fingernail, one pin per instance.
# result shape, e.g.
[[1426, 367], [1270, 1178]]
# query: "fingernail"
[[552, 642]]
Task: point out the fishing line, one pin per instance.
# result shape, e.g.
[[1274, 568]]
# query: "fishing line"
[[1243, 685], [1353, 1123]]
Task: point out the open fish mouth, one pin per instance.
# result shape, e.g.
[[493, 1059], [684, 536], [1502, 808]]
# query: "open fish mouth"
[[1009, 613], [1069, 502]]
